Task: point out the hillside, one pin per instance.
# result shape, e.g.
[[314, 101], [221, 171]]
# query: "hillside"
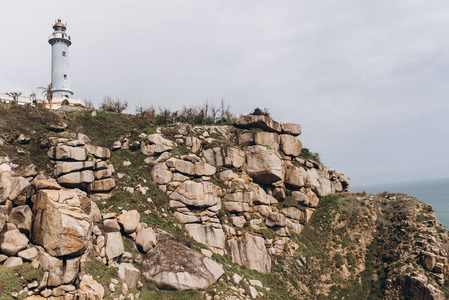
[[103, 205]]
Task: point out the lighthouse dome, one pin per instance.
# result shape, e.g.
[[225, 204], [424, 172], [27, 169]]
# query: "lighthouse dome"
[[59, 26]]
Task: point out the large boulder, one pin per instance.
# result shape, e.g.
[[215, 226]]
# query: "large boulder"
[[67, 153], [290, 145], [263, 165], [228, 157], [236, 207], [429, 260], [21, 189], [306, 197], [293, 213], [160, 143], [258, 121], [2, 218], [12, 242], [200, 194], [432, 292], [160, 174], [295, 176], [46, 184], [71, 268], [269, 139], [91, 288], [319, 182], [98, 152], [146, 239], [199, 168], [193, 143], [128, 274], [208, 235], [172, 265], [77, 179], [28, 254], [55, 268], [276, 219], [72, 166], [59, 223], [128, 221], [21, 216], [291, 128], [114, 245], [250, 251], [5, 182], [102, 185], [12, 262], [27, 170]]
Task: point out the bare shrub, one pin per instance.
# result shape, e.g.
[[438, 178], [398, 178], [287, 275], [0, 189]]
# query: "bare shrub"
[[148, 113], [111, 105], [88, 104], [14, 96]]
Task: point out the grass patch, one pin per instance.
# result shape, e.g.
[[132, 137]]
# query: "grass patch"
[[172, 295], [13, 279], [290, 201], [103, 274], [107, 127]]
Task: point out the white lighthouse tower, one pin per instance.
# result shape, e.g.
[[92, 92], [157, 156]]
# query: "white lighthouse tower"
[[60, 65]]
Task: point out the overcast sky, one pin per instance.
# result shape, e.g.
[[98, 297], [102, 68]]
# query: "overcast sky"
[[367, 80]]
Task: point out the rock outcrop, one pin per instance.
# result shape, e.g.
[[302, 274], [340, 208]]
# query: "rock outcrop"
[[183, 196], [242, 184]]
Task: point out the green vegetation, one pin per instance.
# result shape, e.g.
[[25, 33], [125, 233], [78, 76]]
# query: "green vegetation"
[[106, 127], [329, 230], [290, 201], [13, 279], [103, 274], [171, 295], [32, 122], [208, 114], [306, 154], [279, 288], [260, 112], [113, 105]]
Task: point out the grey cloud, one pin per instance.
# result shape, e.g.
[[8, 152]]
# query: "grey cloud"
[[364, 79]]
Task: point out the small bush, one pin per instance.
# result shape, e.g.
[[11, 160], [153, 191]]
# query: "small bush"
[[351, 259], [259, 112], [307, 154], [339, 260], [290, 201]]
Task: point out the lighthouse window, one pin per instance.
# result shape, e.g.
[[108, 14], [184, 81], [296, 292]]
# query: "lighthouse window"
[[63, 53], [65, 76]]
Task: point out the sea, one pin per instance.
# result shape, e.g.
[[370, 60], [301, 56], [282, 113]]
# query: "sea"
[[433, 192]]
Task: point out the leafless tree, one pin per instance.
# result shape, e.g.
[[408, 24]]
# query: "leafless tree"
[[14, 96], [112, 105], [88, 104], [148, 113]]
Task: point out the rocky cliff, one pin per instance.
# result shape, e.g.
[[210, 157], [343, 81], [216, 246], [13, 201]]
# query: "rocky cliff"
[[99, 205]]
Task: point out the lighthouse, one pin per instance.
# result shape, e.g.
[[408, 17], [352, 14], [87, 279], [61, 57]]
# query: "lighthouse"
[[60, 65]]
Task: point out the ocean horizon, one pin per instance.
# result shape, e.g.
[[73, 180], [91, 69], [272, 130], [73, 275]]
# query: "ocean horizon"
[[433, 192]]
